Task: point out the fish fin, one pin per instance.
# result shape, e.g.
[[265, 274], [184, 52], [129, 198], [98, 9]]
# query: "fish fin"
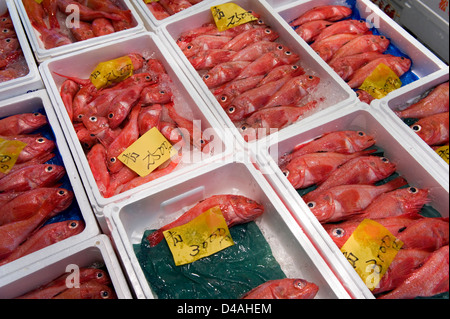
[[396, 183]]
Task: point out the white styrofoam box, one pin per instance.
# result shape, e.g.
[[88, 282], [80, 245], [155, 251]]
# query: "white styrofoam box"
[[31, 81], [43, 54], [81, 64], [293, 251], [94, 252], [397, 149], [332, 88], [152, 24], [33, 102], [424, 62], [403, 97]]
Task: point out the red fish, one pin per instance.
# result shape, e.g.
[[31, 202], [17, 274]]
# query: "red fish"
[[122, 104], [128, 135], [223, 73], [226, 93], [52, 38], [236, 210], [274, 118], [88, 290], [341, 232], [346, 66], [399, 202], [341, 202], [248, 37], [86, 13], [428, 234], [81, 100], [46, 236], [399, 65], [15, 233], [35, 12], [173, 6], [330, 13], [339, 141], [281, 71], [253, 100], [205, 42], [360, 170], [327, 47], [59, 284], [310, 30], [294, 91], [208, 59], [97, 158], [405, 262], [362, 44], [22, 123], [36, 147], [267, 62], [32, 176], [159, 93], [429, 280], [435, 102], [7, 33], [109, 7], [314, 168], [157, 10], [117, 180], [358, 27], [41, 159], [5, 21], [256, 50], [83, 31], [149, 117], [68, 91], [433, 129], [364, 96], [51, 9], [26, 204], [284, 289], [102, 26]]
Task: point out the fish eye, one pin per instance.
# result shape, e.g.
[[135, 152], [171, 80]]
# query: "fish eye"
[[268, 31], [231, 110], [48, 169], [62, 193], [360, 133], [189, 47], [112, 160], [280, 47], [300, 284], [8, 40], [286, 173], [338, 232], [260, 21], [148, 77], [206, 77], [73, 225], [243, 127], [311, 204], [93, 119], [80, 116], [111, 115], [36, 113], [40, 140], [162, 92], [310, 77], [5, 30], [385, 160], [92, 135], [417, 128], [223, 98], [382, 37], [99, 275], [413, 190], [294, 67], [104, 294], [288, 53]]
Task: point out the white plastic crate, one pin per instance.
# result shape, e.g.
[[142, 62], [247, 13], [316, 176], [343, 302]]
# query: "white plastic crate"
[[31, 81], [43, 54], [292, 249], [412, 164], [33, 102], [332, 89], [82, 63], [94, 252]]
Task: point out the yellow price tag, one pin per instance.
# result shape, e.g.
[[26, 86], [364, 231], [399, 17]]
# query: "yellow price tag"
[[9, 152], [113, 71], [39, 1], [201, 237], [381, 82], [150, 1], [230, 15], [370, 250], [146, 154], [443, 152]]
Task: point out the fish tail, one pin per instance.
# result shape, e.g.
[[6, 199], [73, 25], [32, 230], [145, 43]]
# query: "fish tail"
[[155, 238]]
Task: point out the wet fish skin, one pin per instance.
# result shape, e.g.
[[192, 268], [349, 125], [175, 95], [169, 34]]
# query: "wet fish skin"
[[346, 66], [24, 123], [437, 101], [363, 44], [433, 129], [327, 48], [223, 73], [97, 159], [236, 209], [358, 27], [427, 234], [248, 37], [310, 30], [329, 13], [284, 289], [429, 280], [88, 290], [68, 90]]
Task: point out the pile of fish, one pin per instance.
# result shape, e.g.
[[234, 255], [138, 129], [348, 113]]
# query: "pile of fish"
[[108, 120], [165, 8], [12, 60], [93, 283], [29, 192], [347, 45], [431, 113], [258, 81], [344, 173], [54, 20]]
